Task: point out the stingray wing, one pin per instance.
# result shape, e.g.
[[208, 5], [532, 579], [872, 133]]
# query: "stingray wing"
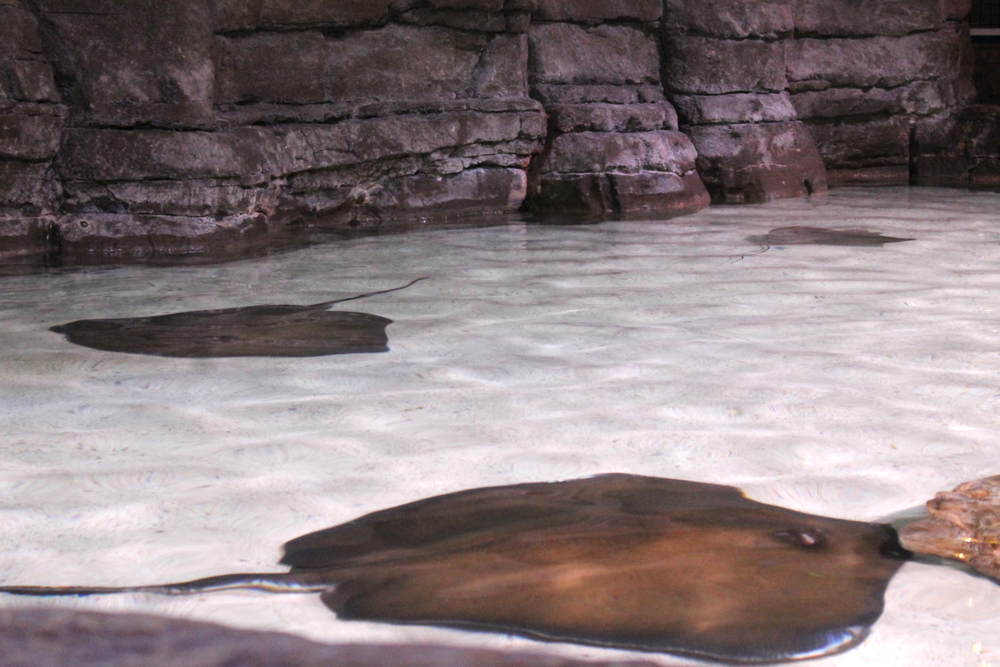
[[802, 235], [739, 585], [614, 560], [254, 331], [497, 512]]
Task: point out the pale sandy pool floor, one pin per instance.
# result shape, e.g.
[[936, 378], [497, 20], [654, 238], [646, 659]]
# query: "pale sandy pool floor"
[[843, 381]]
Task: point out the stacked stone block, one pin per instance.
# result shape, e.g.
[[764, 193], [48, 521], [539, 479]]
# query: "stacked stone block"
[[427, 105], [205, 126], [865, 74], [724, 69], [31, 120], [613, 145]]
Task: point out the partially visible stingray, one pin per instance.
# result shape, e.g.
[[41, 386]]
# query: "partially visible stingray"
[[251, 331], [615, 560], [801, 235]]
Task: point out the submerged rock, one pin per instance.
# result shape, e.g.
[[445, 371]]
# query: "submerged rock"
[[963, 525]]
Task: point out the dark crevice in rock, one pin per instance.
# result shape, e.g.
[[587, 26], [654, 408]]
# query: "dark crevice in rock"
[[770, 39], [914, 148], [820, 37], [646, 26], [64, 62], [851, 120]]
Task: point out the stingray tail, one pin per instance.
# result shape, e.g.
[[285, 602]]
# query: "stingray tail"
[[326, 304], [276, 582]]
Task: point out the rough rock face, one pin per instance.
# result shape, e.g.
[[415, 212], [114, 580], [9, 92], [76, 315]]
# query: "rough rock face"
[[725, 70], [959, 150], [861, 74], [864, 73], [986, 72], [613, 145], [963, 525], [141, 129], [60, 638], [206, 127], [31, 119]]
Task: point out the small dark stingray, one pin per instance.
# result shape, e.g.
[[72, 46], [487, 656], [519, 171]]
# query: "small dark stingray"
[[252, 331], [818, 236], [615, 560]]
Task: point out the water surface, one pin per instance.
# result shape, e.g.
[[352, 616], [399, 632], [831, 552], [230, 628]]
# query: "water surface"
[[852, 382]]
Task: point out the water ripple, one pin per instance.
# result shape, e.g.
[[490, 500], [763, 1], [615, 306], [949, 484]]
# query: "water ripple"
[[851, 382]]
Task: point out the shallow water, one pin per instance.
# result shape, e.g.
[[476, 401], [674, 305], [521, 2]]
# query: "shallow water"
[[852, 382]]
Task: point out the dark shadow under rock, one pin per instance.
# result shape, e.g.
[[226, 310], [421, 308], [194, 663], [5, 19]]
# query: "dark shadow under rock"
[[801, 235], [62, 638], [621, 561], [252, 331]]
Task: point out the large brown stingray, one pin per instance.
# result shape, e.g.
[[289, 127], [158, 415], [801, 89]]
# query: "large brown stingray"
[[252, 331], [801, 235], [615, 560]]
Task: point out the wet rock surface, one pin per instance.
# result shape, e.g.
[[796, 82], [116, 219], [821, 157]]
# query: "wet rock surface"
[[60, 638], [963, 525]]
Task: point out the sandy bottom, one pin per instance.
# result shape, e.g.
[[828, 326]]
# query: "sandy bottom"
[[846, 381]]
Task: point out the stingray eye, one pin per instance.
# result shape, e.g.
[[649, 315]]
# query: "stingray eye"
[[804, 538]]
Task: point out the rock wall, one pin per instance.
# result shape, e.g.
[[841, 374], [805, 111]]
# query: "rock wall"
[[207, 126], [725, 70], [142, 129], [214, 126], [613, 145], [960, 151], [866, 75], [862, 75], [31, 119]]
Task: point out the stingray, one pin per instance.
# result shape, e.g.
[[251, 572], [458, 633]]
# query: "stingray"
[[251, 331], [615, 560], [801, 235]]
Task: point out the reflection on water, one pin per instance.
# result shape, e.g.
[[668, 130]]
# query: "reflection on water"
[[852, 382]]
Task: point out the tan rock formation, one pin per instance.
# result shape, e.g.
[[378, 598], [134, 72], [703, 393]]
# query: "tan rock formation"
[[964, 524]]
